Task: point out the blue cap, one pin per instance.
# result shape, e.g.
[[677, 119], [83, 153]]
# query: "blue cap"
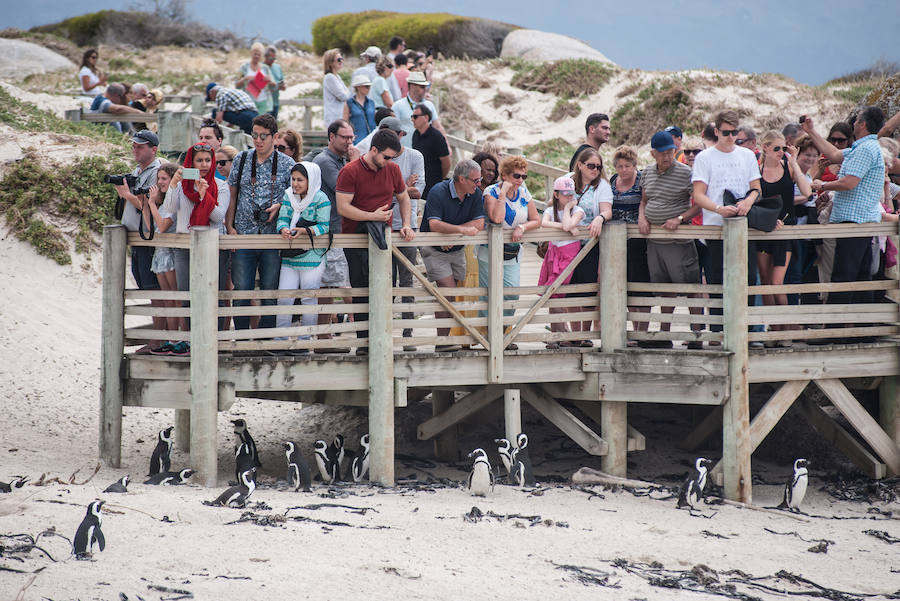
[[662, 141], [209, 87], [675, 131]]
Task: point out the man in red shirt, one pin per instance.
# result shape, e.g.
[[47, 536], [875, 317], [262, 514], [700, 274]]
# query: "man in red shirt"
[[364, 192]]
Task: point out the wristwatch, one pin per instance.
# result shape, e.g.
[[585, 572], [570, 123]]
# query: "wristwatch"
[[681, 219]]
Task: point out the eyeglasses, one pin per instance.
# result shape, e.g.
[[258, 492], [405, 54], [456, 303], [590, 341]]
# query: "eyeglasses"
[[262, 137], [222, 162], [201, 147], [416, 116], [521, 176], [835, 140], [729, 132], [689, 151], [389, 156], [347, 138], [474, 180], [593, 166]]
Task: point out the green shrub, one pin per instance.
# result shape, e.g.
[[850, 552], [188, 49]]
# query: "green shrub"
[[555, 152], [420, 30], [84, 30], [657, 106], [565, 78], [564, 109], [336, 31]]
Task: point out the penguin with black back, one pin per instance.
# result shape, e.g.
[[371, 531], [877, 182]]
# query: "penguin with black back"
[[119, 486], [297, 469], [170, 478], [505, 449], [522, 472], [323, 462], [692, 490], [243, 461], [236, 496], [15, 483], [89, 533], [161, 460], [481, 478], [795, 489], [336, 453], [360, 465], [240, 428]]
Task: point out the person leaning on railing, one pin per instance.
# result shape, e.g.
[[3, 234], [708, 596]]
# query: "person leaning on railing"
[[163, 264]]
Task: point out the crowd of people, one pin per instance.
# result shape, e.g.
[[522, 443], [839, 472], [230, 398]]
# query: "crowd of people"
[[387, 164], [120, 98]]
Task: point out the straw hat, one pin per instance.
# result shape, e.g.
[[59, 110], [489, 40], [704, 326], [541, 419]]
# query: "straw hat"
[[418, 78], [360, 80]]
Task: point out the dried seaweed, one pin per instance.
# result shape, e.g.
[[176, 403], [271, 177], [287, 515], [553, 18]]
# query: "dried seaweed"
[[882, 535], [588, 576], [23, 544], [862, 490], [317, 506]]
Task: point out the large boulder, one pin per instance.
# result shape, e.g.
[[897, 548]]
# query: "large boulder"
[[886, 96], [535, 45], [19, 59]]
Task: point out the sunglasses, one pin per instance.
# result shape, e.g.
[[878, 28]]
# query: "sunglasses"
[[594, 166], [834, 140], [779, 148], [340, 59], [729, 132], [690, 151], [521, 176], [201, 147], [262, 137], [282, 148], [416, 116], [222, 162]]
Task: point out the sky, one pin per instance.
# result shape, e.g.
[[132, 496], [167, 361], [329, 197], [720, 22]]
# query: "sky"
[[811, 41]]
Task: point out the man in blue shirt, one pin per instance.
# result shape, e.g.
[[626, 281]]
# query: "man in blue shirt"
[[454, 206], [113, 101], [277, 76]]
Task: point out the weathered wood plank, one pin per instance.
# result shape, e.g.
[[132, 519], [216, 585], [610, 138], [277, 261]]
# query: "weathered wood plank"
[[643, 388], [565, 420], [113, 336], [636, 440], [835, 435], [658, 362], [458, 411], [889, 407], [613, 295], [380, 366], [512, 413], [842, 361], [495, 304]]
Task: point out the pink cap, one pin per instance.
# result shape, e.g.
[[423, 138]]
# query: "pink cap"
[[564, 184]]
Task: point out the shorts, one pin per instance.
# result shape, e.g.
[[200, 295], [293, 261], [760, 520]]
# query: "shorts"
[[777, 248], [141, 260], [337, 273], [163, 260], [440, 264], [673, 263], [586, 272]]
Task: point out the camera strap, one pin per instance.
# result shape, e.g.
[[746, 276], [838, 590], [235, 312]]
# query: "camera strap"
[[141, 222]]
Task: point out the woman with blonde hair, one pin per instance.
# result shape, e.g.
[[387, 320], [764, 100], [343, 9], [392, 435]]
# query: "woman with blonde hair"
[[381, 93], [255, 79], [334, 92]]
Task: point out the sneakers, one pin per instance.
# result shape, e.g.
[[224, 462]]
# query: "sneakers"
[[164, 349], [446, 348], [180, 349], [695, 345]]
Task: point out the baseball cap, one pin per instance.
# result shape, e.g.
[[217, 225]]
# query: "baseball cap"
[[675, 131], [662, 141], [209, 87], [391, 123], [372, 52], [145, 136], [564, 184], [418, 78]]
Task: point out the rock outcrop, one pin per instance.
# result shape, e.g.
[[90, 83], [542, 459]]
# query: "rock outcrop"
[[19, 59], [532, 44]]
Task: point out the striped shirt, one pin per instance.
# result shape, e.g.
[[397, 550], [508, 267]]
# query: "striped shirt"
[[319, 210], [229, 99], [860, 205], [668, 194]]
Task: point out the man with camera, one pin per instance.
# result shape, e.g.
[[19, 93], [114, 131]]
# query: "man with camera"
[[258, 179], [133, 189]]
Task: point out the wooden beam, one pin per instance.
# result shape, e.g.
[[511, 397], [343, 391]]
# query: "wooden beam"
[[676, 363], [458, 411], [113, 336], [708, 426], [843, 361], [833, 434], [864, 423], [639, 440], [613, 297], [446, 444], [172, 394], [512, 413], [889, 407], [495, 303], [565, 420], [381, 366]]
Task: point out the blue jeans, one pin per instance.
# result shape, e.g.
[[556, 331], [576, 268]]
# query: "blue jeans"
[[511, 275], [244, 265], [242, 119]]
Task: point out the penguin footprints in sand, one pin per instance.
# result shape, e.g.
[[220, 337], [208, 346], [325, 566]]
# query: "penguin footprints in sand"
[[89, 532], [795, 489], [481, 478], [692, 490]]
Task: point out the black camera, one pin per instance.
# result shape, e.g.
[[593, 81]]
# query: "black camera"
[[262, 213], [140, 191], [118, 180]]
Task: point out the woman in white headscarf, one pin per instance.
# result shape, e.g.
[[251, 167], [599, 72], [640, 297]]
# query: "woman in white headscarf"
[[305, 213]]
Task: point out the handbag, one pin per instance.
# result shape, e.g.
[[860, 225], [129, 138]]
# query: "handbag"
[[542, 247], [290, 253], [762, 215], [511, 250]]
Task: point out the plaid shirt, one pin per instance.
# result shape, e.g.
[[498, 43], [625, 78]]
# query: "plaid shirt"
[[229, 99], [861, 204]]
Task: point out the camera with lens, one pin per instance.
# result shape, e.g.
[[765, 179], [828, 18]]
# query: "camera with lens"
[[140, 191], [118, 180], [262, 213]]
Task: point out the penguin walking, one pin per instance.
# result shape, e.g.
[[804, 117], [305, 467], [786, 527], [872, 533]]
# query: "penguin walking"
[[481, 478], [692, 490], [243, 461], [240, 428], [360, 465], [337, 453], [795, 489], [522, 473], [505, 449], [170, 478], [15, 483], [89, 532], [120, 485], [237, 496], [324, 463], [297, 470], [161, 460]]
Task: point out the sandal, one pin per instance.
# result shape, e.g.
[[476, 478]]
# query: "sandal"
[[551, 345], [585, 344]]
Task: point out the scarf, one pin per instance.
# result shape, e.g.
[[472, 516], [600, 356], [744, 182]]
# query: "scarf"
[[298, 204], [202, 207]]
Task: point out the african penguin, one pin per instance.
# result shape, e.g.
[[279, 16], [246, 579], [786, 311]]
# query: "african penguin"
[[336, 452], [170, 478], [243, 461], [692, 490], [237, 496], [120, 485], [481, 478], [323, 462], [522, 474], [504, 448], [240, 428], [360, 464], [89, 532], [17, 483], [161, 460], [297, 469], [795, 489]]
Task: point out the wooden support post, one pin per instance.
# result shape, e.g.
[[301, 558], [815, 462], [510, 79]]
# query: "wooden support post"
[[706, 428], [889, 403], [198, 104], [113, 345], [204, 352], [73, 114], [381, 365], [458, 411], [307, 118], [843, 441], [736, 447], [613, 309], [565, 420], [512, 413], [495, 303], [175, 130], [235, 137], [445, 443], [183, 430]]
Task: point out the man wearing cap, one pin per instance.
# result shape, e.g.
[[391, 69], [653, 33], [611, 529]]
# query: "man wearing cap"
[[677, 136], [370, 58], [666, 202], [454, 206], [404, 107], [433, 146], [234, 106], [596, 134]]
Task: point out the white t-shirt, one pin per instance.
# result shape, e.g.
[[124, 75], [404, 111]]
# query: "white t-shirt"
[[548, 217], [92, 79], [722, 171]]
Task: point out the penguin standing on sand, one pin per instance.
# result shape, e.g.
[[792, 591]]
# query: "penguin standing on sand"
[[161, 460], [522, 473], [505, 448], [243, 461], [297, 469], [16, 483], [360, 464], [240, 428], [89, 532], [692, 490], [336, 453], [795, 489], [324, 463], [170, 478], [120, 485], [481, 478], [237, 496]]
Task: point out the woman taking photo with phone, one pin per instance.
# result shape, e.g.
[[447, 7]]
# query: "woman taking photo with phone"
[[163, 264]]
